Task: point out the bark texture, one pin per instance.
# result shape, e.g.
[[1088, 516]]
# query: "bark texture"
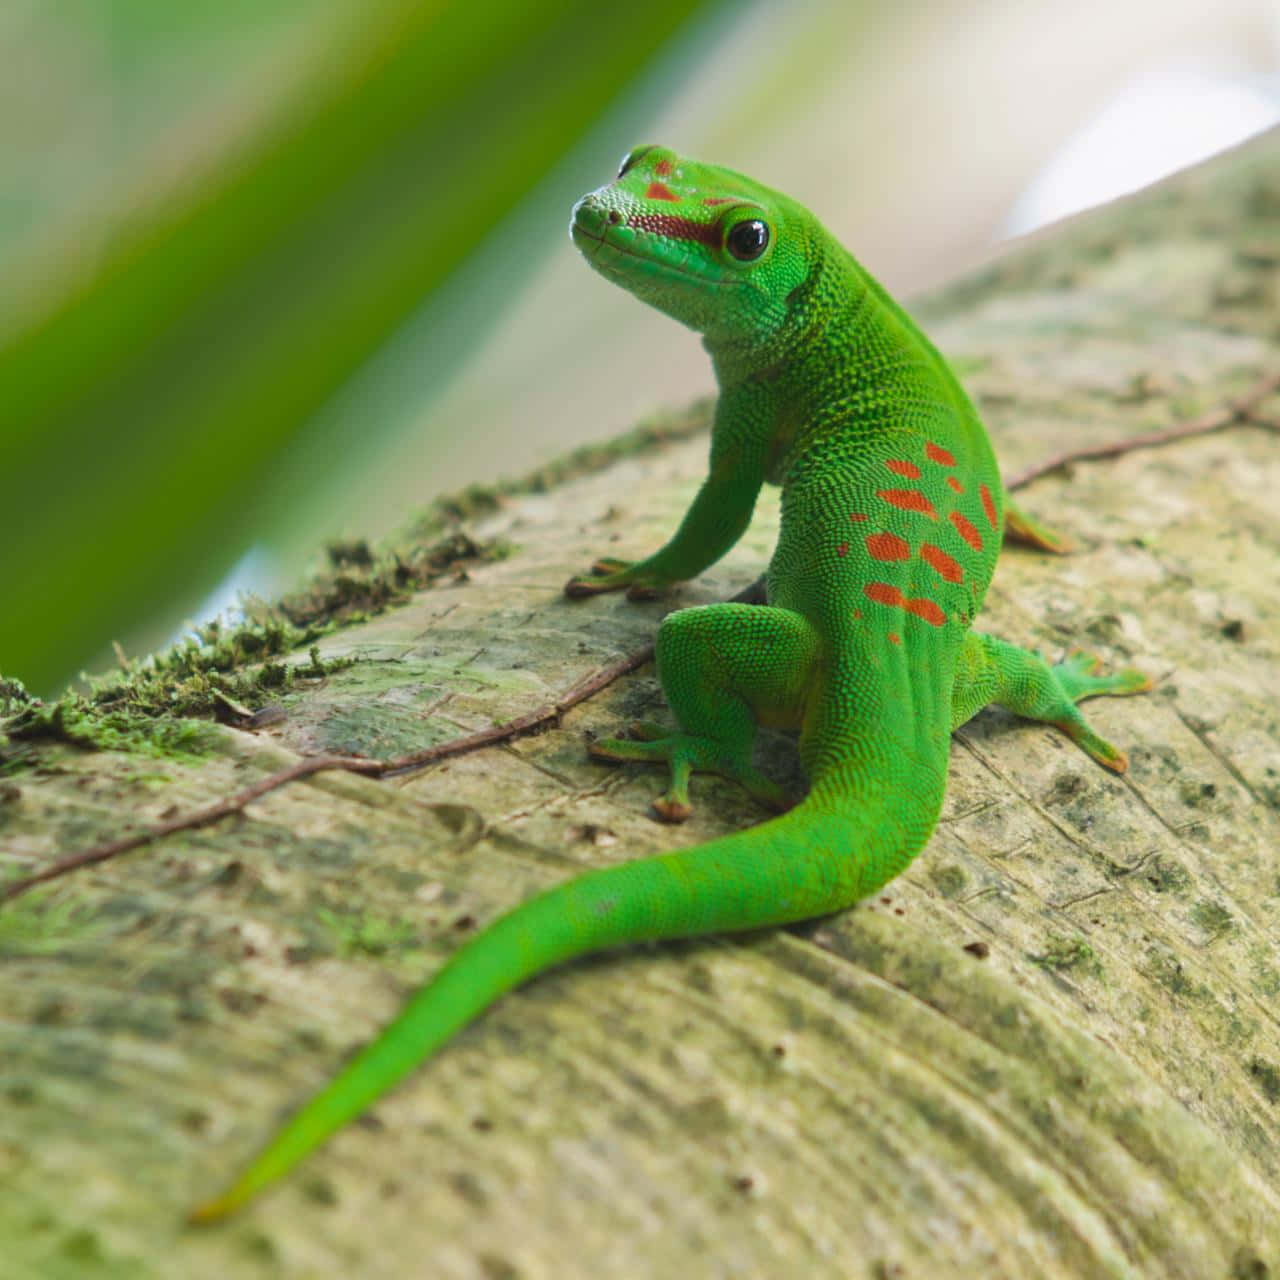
[[1051, 1048]]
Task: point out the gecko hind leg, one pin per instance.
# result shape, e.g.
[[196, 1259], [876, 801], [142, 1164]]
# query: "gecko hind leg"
[[1021, 527], [725, 670], [990, 670]]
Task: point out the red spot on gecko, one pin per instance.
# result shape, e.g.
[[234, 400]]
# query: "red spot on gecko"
[[656, 191], [663, 168], [908, 500], [858, 517], [927, 610], [675, 228], [936, 453], [883, 593], [903, 468], [956, 486], [887, 593], [894, 638], [947, 568], [888, 546], [718, 200], [842, 550], [966, 530], [988, 505]]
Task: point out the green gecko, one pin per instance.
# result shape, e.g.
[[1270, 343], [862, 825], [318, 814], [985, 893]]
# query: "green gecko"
[[892, 517]]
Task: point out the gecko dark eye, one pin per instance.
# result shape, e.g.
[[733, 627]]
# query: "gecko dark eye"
[[747, 240], [632, 156]]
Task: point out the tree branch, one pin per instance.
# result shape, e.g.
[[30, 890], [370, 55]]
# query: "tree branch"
[[1232, 413]]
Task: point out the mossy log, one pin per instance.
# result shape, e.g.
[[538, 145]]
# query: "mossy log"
[[1051, 1048]]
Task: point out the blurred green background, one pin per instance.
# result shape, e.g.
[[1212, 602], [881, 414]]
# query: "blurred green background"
[[281, 270]]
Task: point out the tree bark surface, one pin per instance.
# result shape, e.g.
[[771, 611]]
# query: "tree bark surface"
[[1050, 1048]]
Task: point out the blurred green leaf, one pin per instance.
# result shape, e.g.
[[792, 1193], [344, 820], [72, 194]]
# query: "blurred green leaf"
[[140, 407]]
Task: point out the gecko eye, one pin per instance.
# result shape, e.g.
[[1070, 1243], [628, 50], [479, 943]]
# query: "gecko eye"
[[747, 240], [632, 156]]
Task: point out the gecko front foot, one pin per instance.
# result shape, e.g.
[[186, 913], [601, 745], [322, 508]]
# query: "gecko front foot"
[[608, 574]]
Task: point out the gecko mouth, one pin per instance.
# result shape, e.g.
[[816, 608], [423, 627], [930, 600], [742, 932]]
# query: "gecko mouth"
[[601, 234]]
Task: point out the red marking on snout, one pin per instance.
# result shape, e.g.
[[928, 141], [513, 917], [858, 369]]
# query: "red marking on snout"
[[966, 530], [894, 637], [908, 500], [888, 546], [842, 550], [858, 517], [657, 191], [663, 168], [936, 558], [903, 468], [956, 486], [936, 453], [718, 200], [988, 505]]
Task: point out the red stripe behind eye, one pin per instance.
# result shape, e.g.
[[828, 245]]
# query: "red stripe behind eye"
[[676, 228]]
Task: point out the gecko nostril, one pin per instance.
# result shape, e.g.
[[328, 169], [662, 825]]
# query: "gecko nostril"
[[614, 217]]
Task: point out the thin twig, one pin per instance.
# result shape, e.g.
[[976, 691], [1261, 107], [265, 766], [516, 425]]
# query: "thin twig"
[[370, 768], [188, 821], [1233, 411], [1239, 410]]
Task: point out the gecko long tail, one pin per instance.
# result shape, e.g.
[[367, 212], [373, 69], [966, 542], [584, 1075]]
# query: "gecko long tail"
[[814, 860]]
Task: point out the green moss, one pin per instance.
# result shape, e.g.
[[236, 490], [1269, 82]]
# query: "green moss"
[[83, 1246], [362, 933], [949, 880], [75, 719], [42, 923], [1267, 1075], [1167, 969], [1167, 875], [222, 670], [1062, 954], [1213, 918], [13, 697]]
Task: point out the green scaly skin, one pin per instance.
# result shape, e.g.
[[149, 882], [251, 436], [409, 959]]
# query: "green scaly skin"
[[892, 516]]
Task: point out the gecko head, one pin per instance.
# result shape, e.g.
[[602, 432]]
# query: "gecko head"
[[710, 247]]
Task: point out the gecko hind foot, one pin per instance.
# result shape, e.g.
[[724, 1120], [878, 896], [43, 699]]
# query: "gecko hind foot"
[[1020, 527], [1078, 674]]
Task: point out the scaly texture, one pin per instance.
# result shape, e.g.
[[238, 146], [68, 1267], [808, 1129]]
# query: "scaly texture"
[[892, 518]]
